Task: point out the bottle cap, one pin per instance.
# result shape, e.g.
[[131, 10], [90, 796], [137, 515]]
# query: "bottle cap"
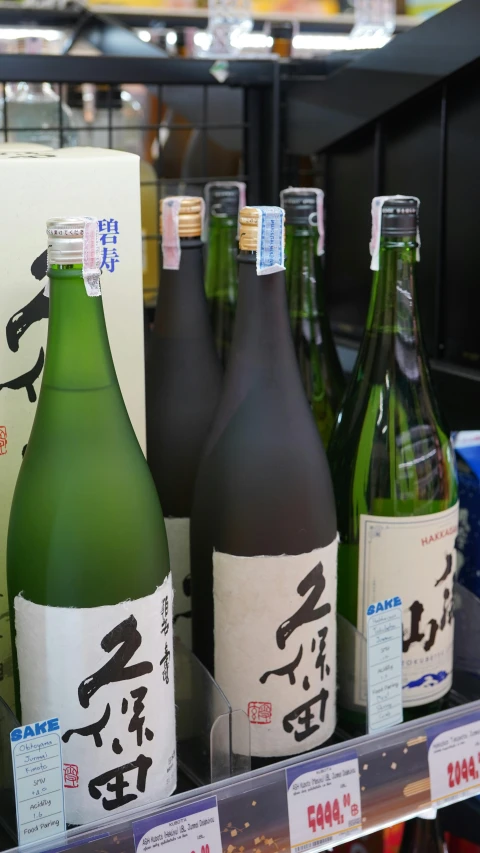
[[75, 240], [400, 216], [299, 204], [393, 216], [180, 216], [224, 199], [248, 228], [304, 206], [65, 240], [190, 214], [262, 230]]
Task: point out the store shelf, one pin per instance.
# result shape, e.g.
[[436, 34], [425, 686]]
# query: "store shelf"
[[15, 13], [253, 808]]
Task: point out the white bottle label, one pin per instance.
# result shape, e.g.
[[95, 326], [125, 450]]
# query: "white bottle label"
[[275, 646], [178, 537], [107, 674], [413, 558]]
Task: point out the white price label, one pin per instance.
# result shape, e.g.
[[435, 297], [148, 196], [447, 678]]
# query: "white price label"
[[193, 828], [38, 775], [323, 801], [454, 759]]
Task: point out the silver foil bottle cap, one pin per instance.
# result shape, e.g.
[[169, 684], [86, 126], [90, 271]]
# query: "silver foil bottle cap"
[[65, 240], [75, 240]]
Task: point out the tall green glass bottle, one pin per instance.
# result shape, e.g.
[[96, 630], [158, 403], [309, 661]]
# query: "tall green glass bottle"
[[88, 571], [317, 356], [221, 278], [394, 476]]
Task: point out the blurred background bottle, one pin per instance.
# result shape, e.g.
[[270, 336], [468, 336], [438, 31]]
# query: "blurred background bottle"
[[314, 344], [183, 381], [223, 200]]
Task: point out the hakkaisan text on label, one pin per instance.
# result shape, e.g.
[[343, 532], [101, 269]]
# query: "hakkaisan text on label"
[[413, 558], [178, 537], [275, 646], [107, 674]]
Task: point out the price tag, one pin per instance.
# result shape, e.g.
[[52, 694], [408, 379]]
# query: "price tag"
[[193, 828], [323, 801], [38, 776], [384, 664], [454, 759]]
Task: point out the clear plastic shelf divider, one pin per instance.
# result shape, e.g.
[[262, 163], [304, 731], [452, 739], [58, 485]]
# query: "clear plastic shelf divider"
[[230, 746], [213, 742], [8, 820]]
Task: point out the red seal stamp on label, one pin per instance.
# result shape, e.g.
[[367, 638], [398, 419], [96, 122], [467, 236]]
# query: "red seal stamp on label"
[[3, 440], [70, 775], [260, 712]]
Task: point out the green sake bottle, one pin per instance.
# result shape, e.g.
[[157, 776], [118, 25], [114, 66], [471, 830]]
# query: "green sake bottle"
[[320, 366], [88, 571], [395, 483], [223, 199]]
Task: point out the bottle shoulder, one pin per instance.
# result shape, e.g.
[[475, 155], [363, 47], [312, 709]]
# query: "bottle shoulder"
[[389, 452], [264, 469]]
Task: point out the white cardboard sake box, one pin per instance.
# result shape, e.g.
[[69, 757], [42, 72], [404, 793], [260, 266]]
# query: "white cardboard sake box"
[[37, 184]]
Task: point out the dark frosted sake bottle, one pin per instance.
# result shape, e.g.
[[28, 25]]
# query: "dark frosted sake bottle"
[[317, 356], [263, 531], [221, 275], [87, 561], [395, 483], [183, 383]]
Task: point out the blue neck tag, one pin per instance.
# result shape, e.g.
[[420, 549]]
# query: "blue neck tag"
[[271, 240]]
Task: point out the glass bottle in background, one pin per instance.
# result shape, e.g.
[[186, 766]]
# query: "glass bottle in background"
[[87, 557], [263, 529], [282, 35], [223, 200], [394, 475], [317, 356], [423, 834], [228, 20], [183, 381], [33, 115], [374, 19]]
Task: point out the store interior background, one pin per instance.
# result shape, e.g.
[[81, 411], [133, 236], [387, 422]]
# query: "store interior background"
[[400, 118]]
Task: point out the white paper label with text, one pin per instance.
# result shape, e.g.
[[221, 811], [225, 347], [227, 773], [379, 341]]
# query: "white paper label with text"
[[38, 778], [275, 645], [454, 759], [178, 537], [323, 801], [193, 828], [107, 673], [384, 664], [415, 558]]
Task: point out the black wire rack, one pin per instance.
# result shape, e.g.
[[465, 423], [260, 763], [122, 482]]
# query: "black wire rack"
[[191, 128]]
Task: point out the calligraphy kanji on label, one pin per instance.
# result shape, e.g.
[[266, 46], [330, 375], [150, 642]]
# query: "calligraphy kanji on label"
[[275, 643], [118, 749]]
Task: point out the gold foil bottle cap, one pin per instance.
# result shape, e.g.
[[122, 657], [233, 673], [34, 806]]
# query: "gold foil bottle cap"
[[248, 229], [189, 215]]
